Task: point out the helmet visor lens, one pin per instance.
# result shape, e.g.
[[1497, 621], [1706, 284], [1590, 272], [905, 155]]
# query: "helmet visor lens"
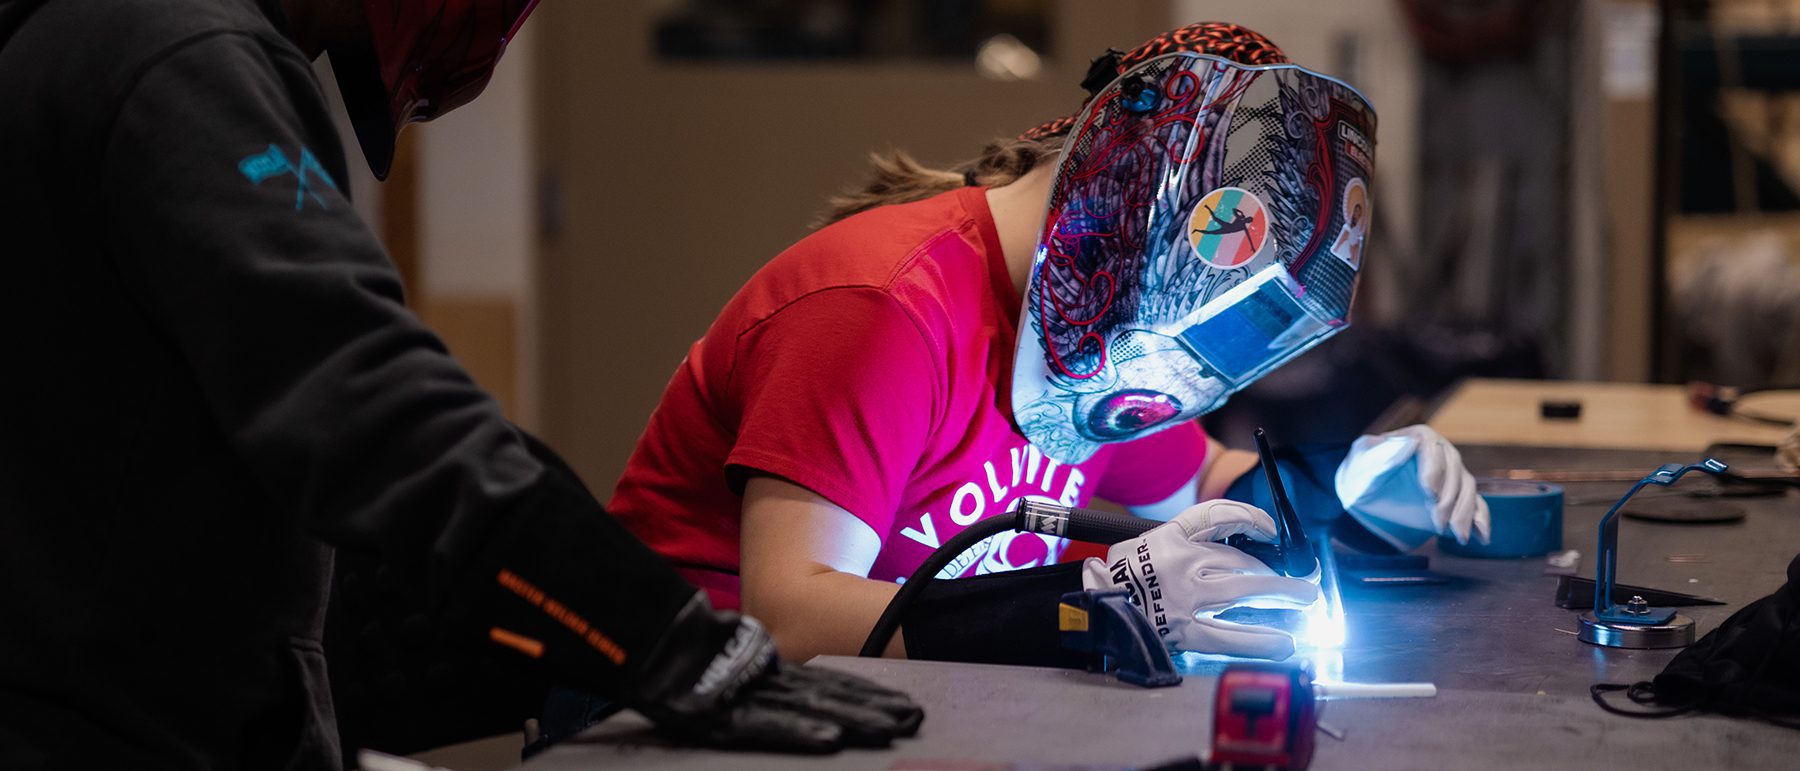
[[1254, 328]]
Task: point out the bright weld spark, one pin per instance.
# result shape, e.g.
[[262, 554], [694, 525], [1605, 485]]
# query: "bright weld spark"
[[1325, 628], [1318, 643]]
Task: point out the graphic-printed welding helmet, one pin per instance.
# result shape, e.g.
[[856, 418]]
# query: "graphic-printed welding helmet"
[[1205, 226]]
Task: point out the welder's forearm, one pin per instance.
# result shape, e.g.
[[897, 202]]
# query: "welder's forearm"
[[1223, 467], [999, 618], [802, 560], [826, 613]]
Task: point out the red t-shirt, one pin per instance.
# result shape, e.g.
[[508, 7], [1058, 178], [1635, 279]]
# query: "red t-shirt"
[[871, 364]]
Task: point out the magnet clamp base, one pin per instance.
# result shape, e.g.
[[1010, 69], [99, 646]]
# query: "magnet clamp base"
[[1677, 632]]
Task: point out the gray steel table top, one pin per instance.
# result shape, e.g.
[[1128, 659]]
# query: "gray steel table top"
[[1512, 678]]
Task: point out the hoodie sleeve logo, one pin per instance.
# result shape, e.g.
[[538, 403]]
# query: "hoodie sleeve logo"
[[273, 162]]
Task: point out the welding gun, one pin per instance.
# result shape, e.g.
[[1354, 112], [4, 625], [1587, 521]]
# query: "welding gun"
[[1289, 555]]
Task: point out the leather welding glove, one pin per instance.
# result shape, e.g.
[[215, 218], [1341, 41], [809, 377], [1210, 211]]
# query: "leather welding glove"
[[715, 680], [1410, 484], [1181, 578]]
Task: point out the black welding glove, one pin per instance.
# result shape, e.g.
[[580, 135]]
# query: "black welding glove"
[[715, 680]]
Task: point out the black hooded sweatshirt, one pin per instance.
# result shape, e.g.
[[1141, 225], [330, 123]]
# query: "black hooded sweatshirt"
[[209, 379]]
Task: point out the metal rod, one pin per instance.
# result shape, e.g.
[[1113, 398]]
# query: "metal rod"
[[1617, 475]]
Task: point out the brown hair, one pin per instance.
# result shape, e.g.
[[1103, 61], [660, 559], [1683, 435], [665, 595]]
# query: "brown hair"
[[898, 178]]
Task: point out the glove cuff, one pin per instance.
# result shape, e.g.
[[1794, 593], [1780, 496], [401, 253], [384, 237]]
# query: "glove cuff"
[[564, 583], [1094, 574], [701, 663], [1000, 618]]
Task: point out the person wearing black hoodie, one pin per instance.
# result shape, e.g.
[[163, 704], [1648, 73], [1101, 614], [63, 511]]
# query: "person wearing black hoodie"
[[211, 380]]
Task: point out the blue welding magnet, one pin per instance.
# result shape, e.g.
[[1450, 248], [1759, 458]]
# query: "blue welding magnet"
[[1527, 520]]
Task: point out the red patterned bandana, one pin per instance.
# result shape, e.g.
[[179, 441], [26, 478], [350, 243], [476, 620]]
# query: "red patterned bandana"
[[1230, 41]]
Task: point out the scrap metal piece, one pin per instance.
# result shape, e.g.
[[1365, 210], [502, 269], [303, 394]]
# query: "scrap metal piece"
[[1577, 593]]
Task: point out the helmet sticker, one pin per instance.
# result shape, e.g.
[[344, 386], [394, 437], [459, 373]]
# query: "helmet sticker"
[[1229, 227], [1349, 244]]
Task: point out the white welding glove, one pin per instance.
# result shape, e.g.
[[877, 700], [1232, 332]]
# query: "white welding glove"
[[1181, 578], [1409, 485]]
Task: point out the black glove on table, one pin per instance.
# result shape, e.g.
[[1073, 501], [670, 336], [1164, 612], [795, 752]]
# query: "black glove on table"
[[716, 680]]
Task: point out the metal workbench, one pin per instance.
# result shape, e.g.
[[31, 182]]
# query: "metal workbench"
[[1512, 678]]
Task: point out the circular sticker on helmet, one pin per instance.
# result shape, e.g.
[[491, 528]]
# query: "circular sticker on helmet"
[[1229, 227]]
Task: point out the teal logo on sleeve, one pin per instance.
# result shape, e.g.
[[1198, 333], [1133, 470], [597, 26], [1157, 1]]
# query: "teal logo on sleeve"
[[272, 163]]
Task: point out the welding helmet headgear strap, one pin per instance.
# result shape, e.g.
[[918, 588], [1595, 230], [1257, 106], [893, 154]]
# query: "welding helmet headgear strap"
[[1219, 38], [1206, 224]]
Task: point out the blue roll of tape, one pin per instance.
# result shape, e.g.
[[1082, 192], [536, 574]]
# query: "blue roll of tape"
[[1527, 519]]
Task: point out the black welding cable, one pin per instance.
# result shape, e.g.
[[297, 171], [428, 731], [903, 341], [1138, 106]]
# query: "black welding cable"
[[916, 583], [1643, 693], [1640, 693]]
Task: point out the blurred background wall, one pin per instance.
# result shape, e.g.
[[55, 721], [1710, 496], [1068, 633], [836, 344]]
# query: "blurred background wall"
[[459, 215], [668, 181], [1590, 189]]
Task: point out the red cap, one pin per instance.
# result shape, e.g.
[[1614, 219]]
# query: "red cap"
[[423, 58]]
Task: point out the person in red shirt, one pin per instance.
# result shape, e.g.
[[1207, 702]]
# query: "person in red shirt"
[[948, 346]]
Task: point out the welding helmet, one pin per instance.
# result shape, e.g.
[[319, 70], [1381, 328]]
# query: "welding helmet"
[[1205, 226], [422, 58]]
